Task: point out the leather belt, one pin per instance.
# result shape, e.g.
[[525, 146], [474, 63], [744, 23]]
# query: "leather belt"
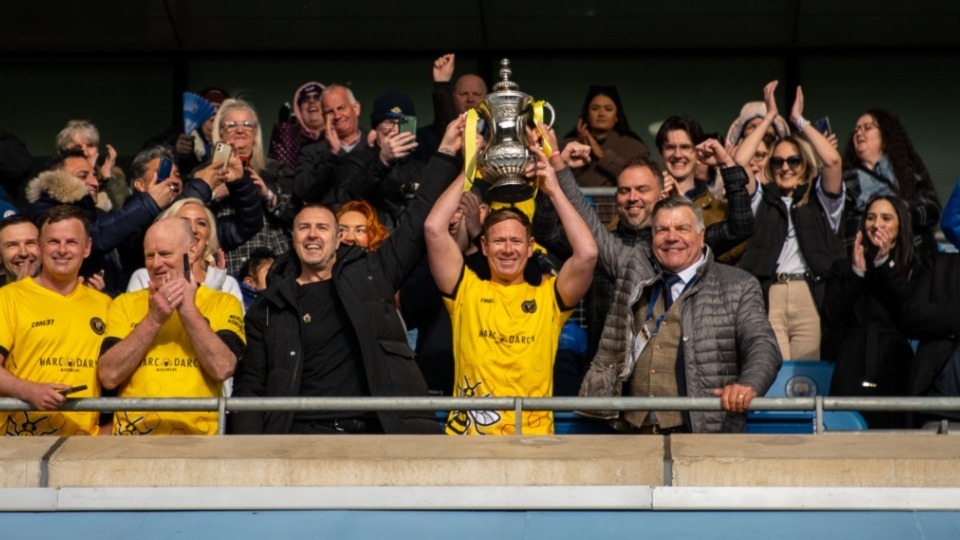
[[783, 277]]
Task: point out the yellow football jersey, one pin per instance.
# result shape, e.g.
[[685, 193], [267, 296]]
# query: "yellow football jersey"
[[505, 341], [171, 367], [50, 338]]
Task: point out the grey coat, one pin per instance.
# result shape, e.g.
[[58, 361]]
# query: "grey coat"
[[726, 338]]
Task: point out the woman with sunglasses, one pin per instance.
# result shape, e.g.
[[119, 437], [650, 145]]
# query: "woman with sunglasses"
[[796, 219], [880, 160], [236, 124], [862, 307], [604, 127]]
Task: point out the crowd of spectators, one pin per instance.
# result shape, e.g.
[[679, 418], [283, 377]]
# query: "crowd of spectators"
[[338, 241]]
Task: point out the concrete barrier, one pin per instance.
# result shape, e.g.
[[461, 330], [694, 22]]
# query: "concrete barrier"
[[841, 460], [21, 459], [361, 460]]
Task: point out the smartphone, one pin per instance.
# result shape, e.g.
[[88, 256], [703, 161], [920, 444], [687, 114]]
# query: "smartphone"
[[408, 124], [823, 125], [164, 170], [73, 389], [221, 154], [186, 267]]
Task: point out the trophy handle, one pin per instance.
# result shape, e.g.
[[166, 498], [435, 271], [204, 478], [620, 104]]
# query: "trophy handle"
[[553, 114]]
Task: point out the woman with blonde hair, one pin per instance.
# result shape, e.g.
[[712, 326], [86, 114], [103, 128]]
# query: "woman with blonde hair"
[[797, 216], [236, 124]]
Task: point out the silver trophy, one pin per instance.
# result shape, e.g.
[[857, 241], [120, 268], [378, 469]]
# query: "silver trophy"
[[503, 161]]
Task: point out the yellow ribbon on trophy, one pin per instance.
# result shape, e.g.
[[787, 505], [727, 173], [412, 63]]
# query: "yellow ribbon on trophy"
[[470, 149], [537, 120]]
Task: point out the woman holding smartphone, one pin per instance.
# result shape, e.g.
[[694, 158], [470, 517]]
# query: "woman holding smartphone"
[[236, 124]]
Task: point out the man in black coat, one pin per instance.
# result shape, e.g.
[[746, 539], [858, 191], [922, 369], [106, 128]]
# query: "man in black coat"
[[327, 324]]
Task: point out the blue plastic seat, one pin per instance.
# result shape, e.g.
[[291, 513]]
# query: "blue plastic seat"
[[802, 379]]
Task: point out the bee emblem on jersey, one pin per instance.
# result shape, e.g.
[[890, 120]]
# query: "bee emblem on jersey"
[[529, 306], [460, 421], [123, 425], [28, 428], [97, 325]]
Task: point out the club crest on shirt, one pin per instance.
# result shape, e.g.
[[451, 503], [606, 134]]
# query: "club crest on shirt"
[[529, 306], [97, 325]]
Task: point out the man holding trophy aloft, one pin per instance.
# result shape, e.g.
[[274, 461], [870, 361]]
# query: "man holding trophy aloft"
[[505, 329]]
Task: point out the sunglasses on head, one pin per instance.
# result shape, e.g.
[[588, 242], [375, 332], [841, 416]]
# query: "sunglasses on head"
[[792, 161]]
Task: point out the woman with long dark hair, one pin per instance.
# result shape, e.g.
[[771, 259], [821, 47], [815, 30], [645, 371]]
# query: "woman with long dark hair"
[[881, 160], [861, 310], [603, 125]]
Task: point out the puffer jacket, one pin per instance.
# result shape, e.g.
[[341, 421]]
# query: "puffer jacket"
[[727, 338]]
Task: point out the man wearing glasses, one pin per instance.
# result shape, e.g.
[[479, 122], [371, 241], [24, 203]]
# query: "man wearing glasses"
[[677, 141]]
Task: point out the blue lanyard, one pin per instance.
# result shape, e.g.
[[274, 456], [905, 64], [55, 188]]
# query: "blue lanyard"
[[655, 295]]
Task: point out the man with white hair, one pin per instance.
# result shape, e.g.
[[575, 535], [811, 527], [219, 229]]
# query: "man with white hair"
[[316, 172]]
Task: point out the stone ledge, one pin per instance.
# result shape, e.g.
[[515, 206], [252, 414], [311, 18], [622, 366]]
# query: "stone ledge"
[[831, 460], [359, 460], [20, 459], [839, 460]]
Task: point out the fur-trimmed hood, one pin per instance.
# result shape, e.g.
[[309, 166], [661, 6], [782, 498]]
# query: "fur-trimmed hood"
[[62, 188]]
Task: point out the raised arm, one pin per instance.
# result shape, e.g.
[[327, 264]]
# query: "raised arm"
[[576, 274], [608, 245], [443, 253], [832, 172], [738, 224], [748, 146], [404, 249]]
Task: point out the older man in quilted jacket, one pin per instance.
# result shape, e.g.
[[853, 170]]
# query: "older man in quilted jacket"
[[680, 324]]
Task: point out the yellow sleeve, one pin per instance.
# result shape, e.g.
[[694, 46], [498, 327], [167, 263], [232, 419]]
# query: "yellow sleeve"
[[468, 280], [227, 315], [119, 324], [7, 319]]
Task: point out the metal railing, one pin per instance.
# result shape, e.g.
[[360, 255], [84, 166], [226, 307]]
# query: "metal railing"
[[818, 404]]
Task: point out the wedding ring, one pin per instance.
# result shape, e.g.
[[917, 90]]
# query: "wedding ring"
[[740, 396]]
